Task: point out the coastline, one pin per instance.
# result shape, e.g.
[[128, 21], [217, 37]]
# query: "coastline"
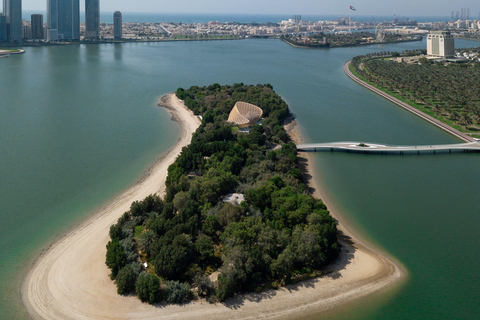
[[59, 44], [346, 45], [452, 131], [70, 280]]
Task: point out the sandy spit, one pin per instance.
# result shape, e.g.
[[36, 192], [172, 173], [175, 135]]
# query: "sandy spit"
[[70, 280]]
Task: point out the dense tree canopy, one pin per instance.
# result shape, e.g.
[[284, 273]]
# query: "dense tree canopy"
[[277, 233]]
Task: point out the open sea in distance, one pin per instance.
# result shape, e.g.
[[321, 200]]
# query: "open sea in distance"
[[107, 17]]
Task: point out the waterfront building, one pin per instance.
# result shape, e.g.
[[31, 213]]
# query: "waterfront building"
[[117, 25], [63, 20], [37, 26], [92, 19], [13, 13], [245, 114], [26, 31], [440, 44], [3, 28]]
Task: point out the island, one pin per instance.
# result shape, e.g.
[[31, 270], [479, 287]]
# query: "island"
[[271, 234], [70, 279]]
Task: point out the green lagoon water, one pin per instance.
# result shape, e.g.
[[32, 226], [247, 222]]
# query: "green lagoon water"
[[79, 124]]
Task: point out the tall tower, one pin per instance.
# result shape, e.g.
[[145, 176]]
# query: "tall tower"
[[117, 25], [440, 44], [63, 20], [13, 13], [37, 26], [92, 19], [3, 28]]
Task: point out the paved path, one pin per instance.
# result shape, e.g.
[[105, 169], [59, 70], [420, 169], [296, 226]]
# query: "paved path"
[[402, 104], [374, 148]]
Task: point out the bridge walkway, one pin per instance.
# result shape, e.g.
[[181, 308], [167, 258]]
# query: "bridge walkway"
[[374, 148]]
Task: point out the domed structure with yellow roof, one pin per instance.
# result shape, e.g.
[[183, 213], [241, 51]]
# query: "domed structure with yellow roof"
[[245, 114]]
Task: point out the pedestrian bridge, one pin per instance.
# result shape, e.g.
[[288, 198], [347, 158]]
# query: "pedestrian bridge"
[[374, 148]]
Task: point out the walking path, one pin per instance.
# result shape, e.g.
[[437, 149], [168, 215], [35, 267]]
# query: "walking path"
[[385, 149], [402, 104]]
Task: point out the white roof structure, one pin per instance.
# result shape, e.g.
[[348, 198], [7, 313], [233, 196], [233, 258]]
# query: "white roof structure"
[[245, 114], [234, 198]]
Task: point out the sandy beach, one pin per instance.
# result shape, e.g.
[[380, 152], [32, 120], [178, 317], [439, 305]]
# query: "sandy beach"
[[70, 279]]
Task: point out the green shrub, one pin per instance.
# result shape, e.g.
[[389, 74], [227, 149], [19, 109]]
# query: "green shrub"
[[125, 280], [148, 288], [176, 292]]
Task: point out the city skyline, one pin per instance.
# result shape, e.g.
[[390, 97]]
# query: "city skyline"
[[366, 7]]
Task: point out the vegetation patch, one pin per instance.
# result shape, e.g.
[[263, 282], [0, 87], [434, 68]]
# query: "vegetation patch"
[[446, 91], [199, 245], [332, 40]]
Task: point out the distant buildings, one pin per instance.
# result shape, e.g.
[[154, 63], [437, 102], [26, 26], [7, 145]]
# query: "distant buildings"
[[440, 44], [26, 31], [63, 20], [92, 19], [37, 27], [117, 25], [13, 13]]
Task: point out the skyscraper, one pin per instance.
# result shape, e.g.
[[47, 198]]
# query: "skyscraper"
[[3, 28], [117, 25], [37, 26], [92, 19], [63, 20], [13, 13]]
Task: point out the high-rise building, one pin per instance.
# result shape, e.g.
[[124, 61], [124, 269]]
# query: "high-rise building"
[[37, 26], [3, 28], [92, 19], [440, 44], [13, 13], [26, 31], [63, 20], [117, 25]]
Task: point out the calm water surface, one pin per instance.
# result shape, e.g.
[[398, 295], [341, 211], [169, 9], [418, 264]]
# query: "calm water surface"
[[79, 124]]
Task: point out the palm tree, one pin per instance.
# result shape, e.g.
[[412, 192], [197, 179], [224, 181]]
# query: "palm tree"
[[146, 241]]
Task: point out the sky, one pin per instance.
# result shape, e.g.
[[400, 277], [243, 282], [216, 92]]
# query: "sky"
[[312, 7]]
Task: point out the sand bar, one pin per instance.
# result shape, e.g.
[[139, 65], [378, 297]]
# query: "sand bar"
[[70, 280]]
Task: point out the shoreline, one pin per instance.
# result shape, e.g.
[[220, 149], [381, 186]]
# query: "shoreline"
[[439, 124], [60, 44], [69, 280], [346, 45]]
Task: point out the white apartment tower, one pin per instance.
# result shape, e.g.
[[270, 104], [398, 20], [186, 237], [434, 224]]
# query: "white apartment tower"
[[440, 44]]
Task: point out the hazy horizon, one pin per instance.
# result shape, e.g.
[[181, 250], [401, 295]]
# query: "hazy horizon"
[[310, 7]]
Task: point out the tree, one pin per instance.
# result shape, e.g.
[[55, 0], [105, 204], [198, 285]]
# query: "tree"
[[148, 288], [146, 241], [172, 260], [116, 258], [204, 247], [125, 280]]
